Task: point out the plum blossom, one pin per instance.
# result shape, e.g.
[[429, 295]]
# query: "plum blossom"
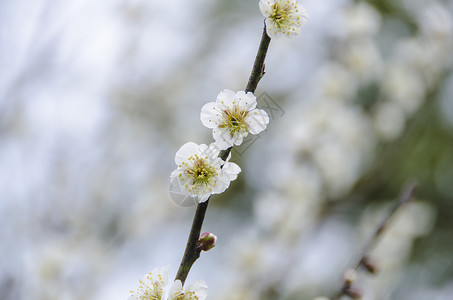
[[232, 117], [200, 173], [155, 286], [195, 291], [283, 17], [152, 285]]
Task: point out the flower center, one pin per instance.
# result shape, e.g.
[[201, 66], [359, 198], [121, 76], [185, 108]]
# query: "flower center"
[[234, 120], [180, 297], [279, 13], [200, 172], [186, 296]]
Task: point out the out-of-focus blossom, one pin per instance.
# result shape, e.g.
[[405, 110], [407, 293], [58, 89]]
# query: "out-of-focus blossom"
[[336, 82], [291, 208], [232, 117], [393, 249], [195, 291], [389, 120], [283, 17], [436, 22], [200, 173], [363, 58], [402, 84], [361, 20]]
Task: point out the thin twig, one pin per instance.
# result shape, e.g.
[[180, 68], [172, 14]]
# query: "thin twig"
[[406, 197], [192, 252], [258, 66]]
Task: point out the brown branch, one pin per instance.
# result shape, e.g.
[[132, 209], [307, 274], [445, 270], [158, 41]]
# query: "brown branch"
[[258, 66], [362, 261], [192, 252]]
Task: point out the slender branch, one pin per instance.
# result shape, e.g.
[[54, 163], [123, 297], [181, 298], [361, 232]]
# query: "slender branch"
[[192, 252], [258, 66], [405, 198]]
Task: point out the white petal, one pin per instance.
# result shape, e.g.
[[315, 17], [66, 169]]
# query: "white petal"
[[179, 193], [223, 182], [265, 7], [164, 272], [272, 31], [211, 114], [239, 136], [203, 197], [222, 139], [176, 173], [257, 121], [213, 158], [200, 288], [238, 140], [203, 149], [227, 98], [210, 153], [185, 151], [231, 170], [303, 13], [214, 148], [246, 100], [175, 290]]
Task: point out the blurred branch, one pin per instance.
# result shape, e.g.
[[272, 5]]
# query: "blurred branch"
[[364, 260], [192, 251]]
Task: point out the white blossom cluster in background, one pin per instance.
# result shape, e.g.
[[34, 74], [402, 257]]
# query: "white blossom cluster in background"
[[95, 98], [394, 248], [332, 142]]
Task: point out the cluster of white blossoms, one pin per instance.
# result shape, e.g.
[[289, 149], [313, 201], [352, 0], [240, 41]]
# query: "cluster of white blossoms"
[[154, 286], [231, 117], [283, 17], [201, 172]]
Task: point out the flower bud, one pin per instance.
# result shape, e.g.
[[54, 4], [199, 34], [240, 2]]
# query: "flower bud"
[[349, 276], [206, 241], [353, 293], [370, 265]]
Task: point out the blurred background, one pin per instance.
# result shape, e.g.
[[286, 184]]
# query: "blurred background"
[[97, 96]]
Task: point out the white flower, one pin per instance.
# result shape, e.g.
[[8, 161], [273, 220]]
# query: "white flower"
[[232, 117], [152, 286], [283, 17], [200, 173], [195, 291]]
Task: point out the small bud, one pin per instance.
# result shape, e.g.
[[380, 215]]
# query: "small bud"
[[353, 292], [206, 241], [370, 264], [349, 276]]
